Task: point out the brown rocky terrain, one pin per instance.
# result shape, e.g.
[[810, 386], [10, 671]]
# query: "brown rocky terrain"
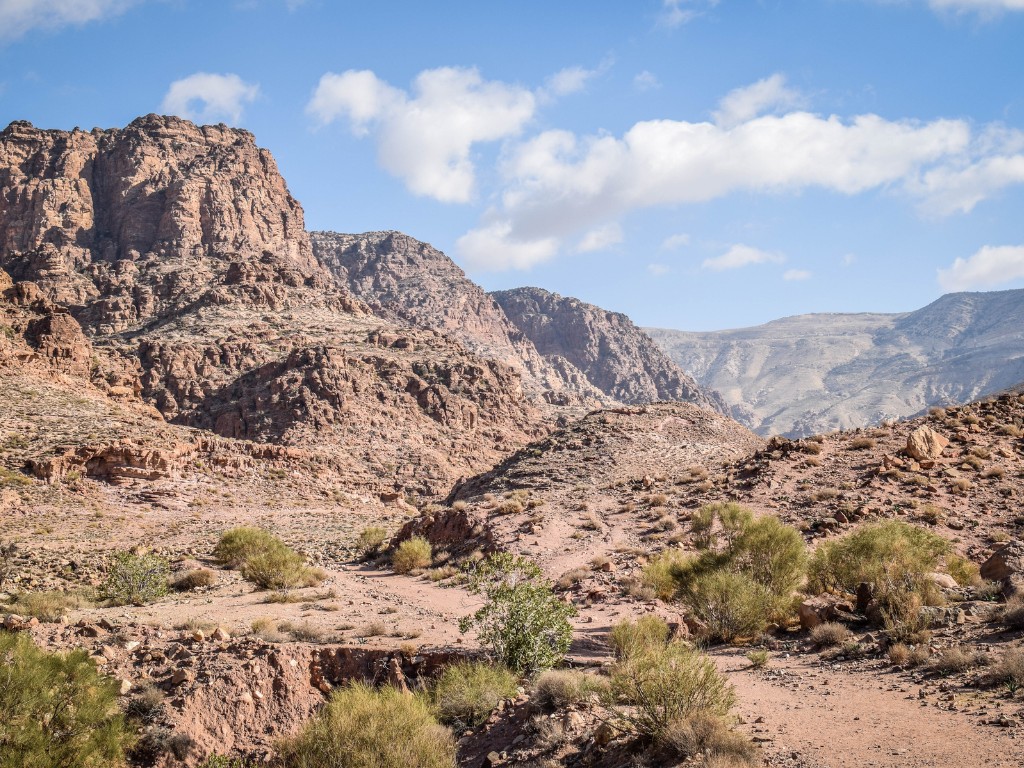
[[409, 282], [614, 354], [175, 360]]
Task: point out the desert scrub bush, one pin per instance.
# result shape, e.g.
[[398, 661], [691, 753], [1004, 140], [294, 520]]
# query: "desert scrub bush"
[[659, 574], [730, 605], [559, 688], [829, 634], [963, 570], [571, 578], [666, 684], [1008, 670], [51, 605], [713, 523], [1011, 614], [628, 638], [57, 710], [956, 659], [522, 623], [371, 540], [468, 691], [363, 727], [147, 703], [135, 579], [237, 545], [890, 556], [8, 551], [701, 734], [195, 578], [862, 443], [413, 553], [758, 658], [280, 567]]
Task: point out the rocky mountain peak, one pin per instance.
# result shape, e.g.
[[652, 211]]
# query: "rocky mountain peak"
[[613, 353]]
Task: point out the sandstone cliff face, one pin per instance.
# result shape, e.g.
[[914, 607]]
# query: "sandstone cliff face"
[[410, 282], [615, 356], [128, 225], [181, 254], [816, 373]]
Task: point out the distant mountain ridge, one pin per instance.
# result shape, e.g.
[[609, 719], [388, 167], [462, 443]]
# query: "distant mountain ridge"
[[820, 372]]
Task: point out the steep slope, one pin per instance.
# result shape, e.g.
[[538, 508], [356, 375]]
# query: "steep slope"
[[815, 373], [615, 355], [184, 258], [412, 283]]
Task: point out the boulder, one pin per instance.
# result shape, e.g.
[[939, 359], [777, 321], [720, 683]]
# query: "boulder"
[[1006, 566], [925, 444], [943, 580], [817, 610]]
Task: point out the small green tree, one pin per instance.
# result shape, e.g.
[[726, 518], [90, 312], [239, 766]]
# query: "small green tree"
[[525, 626], [57, 710], [136, 579]]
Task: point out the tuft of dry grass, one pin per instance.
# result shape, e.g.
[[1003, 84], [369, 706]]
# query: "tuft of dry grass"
[[862, 443], [830, 634], [196, 578]]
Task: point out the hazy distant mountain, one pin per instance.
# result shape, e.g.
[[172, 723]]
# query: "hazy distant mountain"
[[815, 373]]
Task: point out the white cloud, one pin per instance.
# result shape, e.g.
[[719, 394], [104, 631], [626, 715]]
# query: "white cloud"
[[18, 17], [981, 6], [675, 13], [742, 104], [796, 274], [205, 97], [658, 269], [601, 238], [493, 247], [849, 259], [558, 184], [568, 80], [672, 242], [646, 81], [742, 256], [991, 266], [425, 137]]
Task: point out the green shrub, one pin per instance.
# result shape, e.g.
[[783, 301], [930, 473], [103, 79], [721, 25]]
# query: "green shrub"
[[523, 624], [732, 520], [57, 710], [660, 573], [558, 688], [628, 638], [135, 579], [667, 684], [730, 605], [889, 556], [361, 727], [413, 553], [963, 570], [371, 540], [758, 658], [467, 692], [280, 568], [239, 544]]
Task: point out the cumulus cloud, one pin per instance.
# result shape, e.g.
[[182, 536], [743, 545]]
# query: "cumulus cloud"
[[991, 266], [600, 239], [742, 256], [672, 242], [206, 98], [17, 17], [494, 247], [425, 137], [796, 274], [569, 80], [742, 104]]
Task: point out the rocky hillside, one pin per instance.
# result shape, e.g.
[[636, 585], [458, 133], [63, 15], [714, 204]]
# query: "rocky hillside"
[[617, 357], [815, 373], [410, 282], [184, 259]]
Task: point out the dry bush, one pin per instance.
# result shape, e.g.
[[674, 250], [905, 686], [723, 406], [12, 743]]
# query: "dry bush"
[[558, 688], [571, 578], [812, 447], [371, 540], [1008, 669], [48, 606], [303, 631], [281, 568], [963, 570], [1011, 614], [862, 443], [509, 507], [960, 485], [591, 523], [956, 659], [703, 734], [666, 522], [629, 638], [194, 579], [826, 494], [412, 554], [994, 472], [758, 658], [829, 634], [361, 726], [267, 630], [931, 514], [468, 691], [374, 629], [656, 500], [899, 654]]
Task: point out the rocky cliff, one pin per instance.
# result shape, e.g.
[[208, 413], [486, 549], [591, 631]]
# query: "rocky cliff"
[[410, 282], [816, 373], [614, 354], [184, 259]]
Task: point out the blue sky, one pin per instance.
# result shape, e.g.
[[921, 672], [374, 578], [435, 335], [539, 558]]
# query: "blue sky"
[[697, 164]]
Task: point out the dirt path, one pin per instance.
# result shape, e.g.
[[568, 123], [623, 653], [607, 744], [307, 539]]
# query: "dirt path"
[[807, 713]]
